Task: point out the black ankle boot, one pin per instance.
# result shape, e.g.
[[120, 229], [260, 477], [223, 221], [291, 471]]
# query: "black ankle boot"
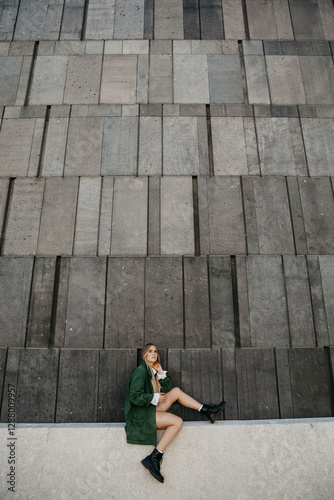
[[212, 411], [152, 463]]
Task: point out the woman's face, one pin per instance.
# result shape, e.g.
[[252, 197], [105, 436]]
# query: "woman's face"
[[152, 355]]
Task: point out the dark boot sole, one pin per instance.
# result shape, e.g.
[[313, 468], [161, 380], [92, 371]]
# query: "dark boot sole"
[[214, 418], [151, 472]]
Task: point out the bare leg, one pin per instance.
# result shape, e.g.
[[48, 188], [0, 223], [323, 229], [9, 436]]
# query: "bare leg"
[[177, 395], [171, 423]]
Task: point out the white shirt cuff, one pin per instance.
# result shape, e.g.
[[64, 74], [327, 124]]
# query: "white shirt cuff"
[[156, 398], [160, 377]]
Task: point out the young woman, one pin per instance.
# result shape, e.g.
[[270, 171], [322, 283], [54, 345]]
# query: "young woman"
[[149, 396]]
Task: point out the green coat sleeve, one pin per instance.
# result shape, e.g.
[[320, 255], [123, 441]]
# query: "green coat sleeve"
[[138, 396], [165, 383]]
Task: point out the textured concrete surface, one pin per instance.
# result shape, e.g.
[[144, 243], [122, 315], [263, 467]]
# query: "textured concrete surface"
[[82, 461]]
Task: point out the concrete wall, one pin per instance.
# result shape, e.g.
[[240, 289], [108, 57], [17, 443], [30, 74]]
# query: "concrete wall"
[[268, 459]]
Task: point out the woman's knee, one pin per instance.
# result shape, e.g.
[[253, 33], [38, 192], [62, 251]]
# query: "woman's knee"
[[179, 423]]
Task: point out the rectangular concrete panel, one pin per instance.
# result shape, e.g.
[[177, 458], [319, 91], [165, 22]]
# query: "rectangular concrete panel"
[[119, 79], [142, 78], [48, 83], [72, 21], [257, 82], [261, 27], [229, 148], [285, 80], [318, 90], [256, 384], [306, 20], [106, 215], [129, 19], [58, 217], [77, 386], [10, 69], [120, 146], [129, 219], [153, 241], [326, 270], [181, 145], [15, 274], [83, 79], [227, 232], [281, 148], [150, 146], [318, 136], [297, 216], [85, 303], [55, 146], [225, 79], [125, 303], [84, 146], [15, 146], [229, 384], [191, 80], [191, 27], [22, 230], [243, 302], [4, 186], [61, 298], [267, 302], [318, 300], [211, 18], [41, 301], [168, 19], [177, 224], [88, 213], [221, 302], [164, 301], [196, 303], [42, 22], [160, 88], [37, 385], [100, 20], [318, 210]]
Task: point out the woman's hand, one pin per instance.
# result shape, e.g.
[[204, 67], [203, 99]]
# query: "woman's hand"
[[163, 397], [157, 367]]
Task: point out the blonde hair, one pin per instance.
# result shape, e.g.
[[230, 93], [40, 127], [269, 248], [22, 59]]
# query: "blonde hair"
[[155, 382]]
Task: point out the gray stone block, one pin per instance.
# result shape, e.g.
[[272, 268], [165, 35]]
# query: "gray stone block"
[[306, 20], [88, 214], [119, 79], [129, 19], [233, 18], [160, 79], [84, 146], [153, 242], [225, 79], [257, 83], [55, 146], [319, 145], [16, 139], [10, 70], [285, 80], [252, 47], [168, 19], [83, 80], [120, 144], [106, 215], [72, 20], [318, 90], [150, 146], [191, 84], [326, 270], [49, 80], [39, 20], [100, 20], [229, 146]]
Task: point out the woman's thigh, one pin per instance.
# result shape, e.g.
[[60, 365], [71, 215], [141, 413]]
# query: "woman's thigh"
[[164, 419], [172, 396]]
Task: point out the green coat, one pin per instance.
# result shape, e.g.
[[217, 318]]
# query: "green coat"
[[140, 425]]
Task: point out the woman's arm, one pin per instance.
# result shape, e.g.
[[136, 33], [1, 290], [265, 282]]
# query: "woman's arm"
[[138, 396]]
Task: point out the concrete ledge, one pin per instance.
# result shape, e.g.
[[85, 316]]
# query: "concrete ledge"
[[231, 460]]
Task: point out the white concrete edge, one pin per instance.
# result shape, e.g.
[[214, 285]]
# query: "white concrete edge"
[[224, 423]]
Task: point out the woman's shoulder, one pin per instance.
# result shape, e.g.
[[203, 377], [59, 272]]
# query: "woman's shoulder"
[[141, 369]]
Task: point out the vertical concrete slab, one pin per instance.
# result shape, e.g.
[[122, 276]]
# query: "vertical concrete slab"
[[191, 28], [39, 20], [129, 19], [49, 80], [226, 223], [326, 270], [327, 18], [129, 223], [100, 20], [233, 18], [251, 146], [243, 303], [84, 146], [180, 146], [24, 217], [85, 303], [142, 79], [150, 146], [77, 386], [168, 19], [106, 215], [281, 149], [306, 20], [318, 301], [318, 90], [196, 303], [40, 308], [267, 302], [256, 77], [211, 19], [229, 148], [225, 79], [285, 80], [120, 146], [297, 216], [177, 224], [23, 82], [221, 302], [299, 301], [58, 217], [261, 27], [191, 81], [4, 186], [72, 21], [55, 146], [83, 79], [37, 385], [164, 301], [8, 18], [15, 146], [160, 79], [119, 79], [125, 303], [115, 369], [256, 384], [61, 297], [10, 69], [15, 274], [318, 209], [36, 147], [318, 136], [87, 220], [153, 243], [283, 20]]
